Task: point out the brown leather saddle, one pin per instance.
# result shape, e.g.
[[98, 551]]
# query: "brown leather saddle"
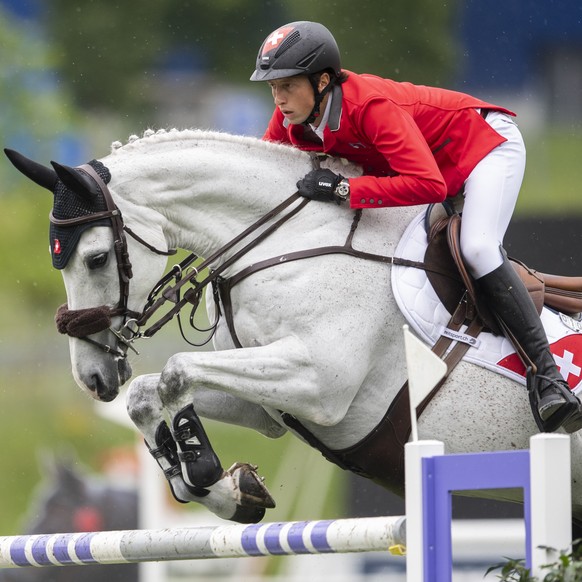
[[451, 280], [380, 455]]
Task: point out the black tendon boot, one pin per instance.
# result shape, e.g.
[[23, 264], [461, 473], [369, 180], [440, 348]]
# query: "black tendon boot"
[[167, 449], [200, 465], [553, 404]]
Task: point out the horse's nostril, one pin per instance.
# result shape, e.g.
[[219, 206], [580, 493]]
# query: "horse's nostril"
[[95, 381], [108, 397], [124, 371], [100, 389]]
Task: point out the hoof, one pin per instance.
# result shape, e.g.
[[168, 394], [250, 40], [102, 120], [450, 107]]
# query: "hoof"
[[245, 514], [252, 490]]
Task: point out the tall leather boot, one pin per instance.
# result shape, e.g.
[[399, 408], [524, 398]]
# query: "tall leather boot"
[[553, 403]]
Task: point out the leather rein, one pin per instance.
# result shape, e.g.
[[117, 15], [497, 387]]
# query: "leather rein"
[[84, 322]]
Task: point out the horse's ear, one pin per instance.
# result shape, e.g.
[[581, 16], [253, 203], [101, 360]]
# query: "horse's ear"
[[77, 181], [41, 175]]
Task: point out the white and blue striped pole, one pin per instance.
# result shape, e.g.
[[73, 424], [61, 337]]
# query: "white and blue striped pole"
[[285, 538]]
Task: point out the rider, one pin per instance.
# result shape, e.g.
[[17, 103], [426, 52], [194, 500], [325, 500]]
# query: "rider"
[[417, 145]]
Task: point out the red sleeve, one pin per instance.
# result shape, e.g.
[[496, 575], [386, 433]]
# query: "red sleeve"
[[397, 138], [276, 131]]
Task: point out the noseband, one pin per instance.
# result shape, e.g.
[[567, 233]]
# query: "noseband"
[[80, 323]]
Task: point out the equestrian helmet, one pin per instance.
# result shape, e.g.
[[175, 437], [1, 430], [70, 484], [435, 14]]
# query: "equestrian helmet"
[[298, 48]]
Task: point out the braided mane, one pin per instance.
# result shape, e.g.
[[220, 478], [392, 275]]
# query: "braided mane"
[[151, 137]]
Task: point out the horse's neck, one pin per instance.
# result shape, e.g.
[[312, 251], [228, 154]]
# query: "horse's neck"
[[197, 193], [205, 192]]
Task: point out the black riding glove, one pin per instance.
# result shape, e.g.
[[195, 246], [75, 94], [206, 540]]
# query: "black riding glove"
[[320, 185]]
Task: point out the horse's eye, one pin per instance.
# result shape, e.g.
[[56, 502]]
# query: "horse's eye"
[[97, 261]]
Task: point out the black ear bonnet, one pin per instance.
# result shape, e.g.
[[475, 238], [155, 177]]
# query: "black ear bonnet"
[[68, 204]]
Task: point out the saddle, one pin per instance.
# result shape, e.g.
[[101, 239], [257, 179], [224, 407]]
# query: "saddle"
[[453, 284]]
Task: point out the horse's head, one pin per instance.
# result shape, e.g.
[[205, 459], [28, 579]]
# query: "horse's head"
[[89, 246]]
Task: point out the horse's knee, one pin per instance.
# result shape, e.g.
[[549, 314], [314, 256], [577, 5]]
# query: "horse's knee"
[[173, 380], [141, 401]]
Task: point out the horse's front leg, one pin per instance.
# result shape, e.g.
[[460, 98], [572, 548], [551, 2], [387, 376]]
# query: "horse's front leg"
[[281, 375], [237, 494], [278, 376]]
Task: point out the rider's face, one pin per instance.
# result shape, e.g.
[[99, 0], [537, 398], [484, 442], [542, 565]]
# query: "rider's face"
[[294, 97]]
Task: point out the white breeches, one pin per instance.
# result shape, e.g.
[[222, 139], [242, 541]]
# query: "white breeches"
[[491, 192]]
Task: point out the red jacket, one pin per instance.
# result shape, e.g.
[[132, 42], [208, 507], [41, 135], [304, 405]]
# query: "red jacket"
[[416, 144]]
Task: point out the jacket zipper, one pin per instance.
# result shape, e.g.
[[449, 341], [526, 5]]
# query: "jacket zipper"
[[439, 148]]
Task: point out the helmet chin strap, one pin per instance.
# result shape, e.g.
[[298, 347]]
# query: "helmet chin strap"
[[319, 95]]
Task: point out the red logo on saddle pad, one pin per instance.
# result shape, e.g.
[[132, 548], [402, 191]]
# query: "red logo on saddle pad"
[[276, 38], [568, 355], [57, 247]]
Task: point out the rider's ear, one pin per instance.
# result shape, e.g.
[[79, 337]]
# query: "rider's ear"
[[78, 181], [41, 175], [324, 80]]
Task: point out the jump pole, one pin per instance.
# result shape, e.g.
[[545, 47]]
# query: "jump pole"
[[543, 472], [231, 541]]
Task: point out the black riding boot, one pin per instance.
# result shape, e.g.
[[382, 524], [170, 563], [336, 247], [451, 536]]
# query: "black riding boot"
[[553, 403]]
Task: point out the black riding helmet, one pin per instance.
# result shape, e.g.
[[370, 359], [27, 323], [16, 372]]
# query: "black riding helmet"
[[299, 48]]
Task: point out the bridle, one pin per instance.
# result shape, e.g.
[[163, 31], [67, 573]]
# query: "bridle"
[[81, 323]]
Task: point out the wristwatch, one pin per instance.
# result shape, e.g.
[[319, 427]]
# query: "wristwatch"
[[342, 190]]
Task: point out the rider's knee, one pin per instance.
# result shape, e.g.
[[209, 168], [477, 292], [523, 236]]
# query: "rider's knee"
[[481, 256]]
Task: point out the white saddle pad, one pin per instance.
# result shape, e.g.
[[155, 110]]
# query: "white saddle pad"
[[429, 318]]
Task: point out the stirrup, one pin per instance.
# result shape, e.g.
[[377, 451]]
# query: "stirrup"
[[166, 449], [569, 414], [200, 465]]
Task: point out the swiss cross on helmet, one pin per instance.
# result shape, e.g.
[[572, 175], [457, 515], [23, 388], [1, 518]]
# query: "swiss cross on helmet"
[[298, 48]]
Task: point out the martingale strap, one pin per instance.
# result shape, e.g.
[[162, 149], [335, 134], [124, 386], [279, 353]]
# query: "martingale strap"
[[395, 427], [192, 295], [165, 292], [225, 285]]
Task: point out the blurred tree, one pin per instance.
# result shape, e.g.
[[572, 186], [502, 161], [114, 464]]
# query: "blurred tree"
[[111, 53], [105, 49], [36, 118], [222, 37], [30, 90], [405, 40]]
